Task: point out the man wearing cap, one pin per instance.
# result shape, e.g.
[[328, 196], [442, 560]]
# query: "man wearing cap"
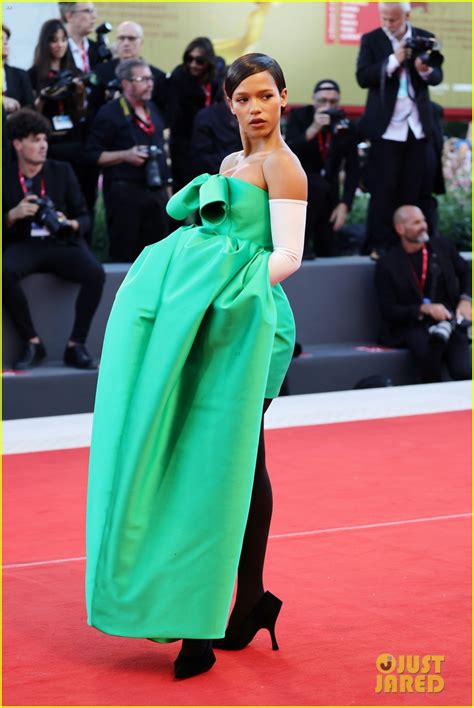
[[325, 144]]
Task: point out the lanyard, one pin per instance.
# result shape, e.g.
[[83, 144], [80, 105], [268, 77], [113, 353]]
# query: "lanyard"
[[324, 144], [424, 270], [85, 61], [207, 93], [146, 126], [24, 188]]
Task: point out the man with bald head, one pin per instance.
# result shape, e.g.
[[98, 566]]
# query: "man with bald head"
[[398, 117], [129, 43], [424, 290]]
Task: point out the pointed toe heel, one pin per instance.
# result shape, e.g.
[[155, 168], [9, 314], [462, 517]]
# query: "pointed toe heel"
[[189, 666]]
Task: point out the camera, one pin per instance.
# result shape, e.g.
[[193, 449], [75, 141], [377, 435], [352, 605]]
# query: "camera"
[[152, 166], [443, 330], [103, 51], [47, 216], [338, 121], [427, 49], [63, 84]]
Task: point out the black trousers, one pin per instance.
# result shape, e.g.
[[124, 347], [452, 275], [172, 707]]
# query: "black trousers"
[[396, 171], [73, 262], [319, 235], [136, 217], [430, 353]]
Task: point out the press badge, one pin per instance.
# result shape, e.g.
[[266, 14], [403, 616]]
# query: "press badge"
[[62, 122], [39, 230]]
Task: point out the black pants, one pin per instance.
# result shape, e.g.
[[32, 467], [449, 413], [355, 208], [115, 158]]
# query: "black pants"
[[430, 353], [73, 262], [136, 217], [319, 235], [396, 171]]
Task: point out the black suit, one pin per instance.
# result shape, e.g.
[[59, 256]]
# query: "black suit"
[[215, 135], [19, 86], [396, 171], [323, 175], [24, 254], [92, 54], [397, 281]]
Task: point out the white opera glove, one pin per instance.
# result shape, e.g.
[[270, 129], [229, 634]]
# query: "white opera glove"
[[288, 220]]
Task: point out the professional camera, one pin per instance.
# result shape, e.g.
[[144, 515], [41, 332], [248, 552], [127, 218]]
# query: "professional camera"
[[338, 121], [63, 84], [427, 49], [47, 216], [112, 87], [103, 50], [152, 166], [443, 330]]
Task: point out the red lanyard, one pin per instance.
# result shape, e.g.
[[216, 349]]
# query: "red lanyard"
[[207, 93], [23, 185], [424, 269], [323, 144], [146, 126], [85, 61]]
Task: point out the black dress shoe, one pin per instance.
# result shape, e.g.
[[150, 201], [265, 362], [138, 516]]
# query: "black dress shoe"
[[263, 616], [79, 357], [188, 666], [31, 356]]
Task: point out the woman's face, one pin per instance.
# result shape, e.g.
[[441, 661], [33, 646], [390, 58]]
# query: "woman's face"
[[196, 62], [257, 104], [58, 45]]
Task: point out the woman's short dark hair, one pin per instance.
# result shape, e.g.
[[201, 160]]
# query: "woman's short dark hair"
[[6, 30], [207, 48], [250, 64], [42, 57], [27, 122]]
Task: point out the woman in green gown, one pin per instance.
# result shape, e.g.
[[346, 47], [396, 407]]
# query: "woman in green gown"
[[197, 344]]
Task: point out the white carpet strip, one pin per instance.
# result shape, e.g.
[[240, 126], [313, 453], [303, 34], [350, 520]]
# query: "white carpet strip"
[[72, 431]]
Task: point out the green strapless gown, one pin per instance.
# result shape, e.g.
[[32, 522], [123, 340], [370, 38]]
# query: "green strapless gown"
[[196, 339]]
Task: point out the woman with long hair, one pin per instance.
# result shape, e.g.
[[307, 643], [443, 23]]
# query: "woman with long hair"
[[64, 105], [193, 85], [198, 343]]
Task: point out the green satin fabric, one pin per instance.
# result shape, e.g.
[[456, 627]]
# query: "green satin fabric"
[[196, 339]]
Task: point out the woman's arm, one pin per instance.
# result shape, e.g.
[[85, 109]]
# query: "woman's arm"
[[288, 191]]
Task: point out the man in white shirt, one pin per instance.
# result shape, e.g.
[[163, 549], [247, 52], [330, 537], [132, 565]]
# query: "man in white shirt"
[[80, 19], [398, 118]]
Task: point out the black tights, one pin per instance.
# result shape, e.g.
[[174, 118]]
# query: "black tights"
[[252, 557]]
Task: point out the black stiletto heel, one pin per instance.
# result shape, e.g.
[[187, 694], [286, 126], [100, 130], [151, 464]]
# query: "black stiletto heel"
[[263, 616], [188, 666]]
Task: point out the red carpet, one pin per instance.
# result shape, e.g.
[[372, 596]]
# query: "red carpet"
[[349, 594]]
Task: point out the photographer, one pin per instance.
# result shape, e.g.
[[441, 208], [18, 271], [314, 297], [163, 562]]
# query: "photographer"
[[397, 67], [126, 140], [16, 86], [129, 44], [44, 217], [326, 144], [80, 19], [424, 290]]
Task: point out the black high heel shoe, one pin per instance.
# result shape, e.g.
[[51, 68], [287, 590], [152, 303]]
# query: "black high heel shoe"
[[263, 616], [188, 666]]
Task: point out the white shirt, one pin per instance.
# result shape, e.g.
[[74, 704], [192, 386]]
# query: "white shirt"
[[77, 53], [405, 114]]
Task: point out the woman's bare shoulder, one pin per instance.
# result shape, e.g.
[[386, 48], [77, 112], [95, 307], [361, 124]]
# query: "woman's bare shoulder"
[[229, 162], [284, 175]]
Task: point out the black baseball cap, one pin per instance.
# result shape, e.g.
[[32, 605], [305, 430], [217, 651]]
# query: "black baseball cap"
[[327, 84]]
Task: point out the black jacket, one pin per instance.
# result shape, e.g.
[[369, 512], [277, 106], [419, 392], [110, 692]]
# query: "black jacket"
[[342, 152], [19, 86], [374, 51], [215, 135], [61, 187], [399, 293], [113, 130], [185, 98], [92, 54]]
